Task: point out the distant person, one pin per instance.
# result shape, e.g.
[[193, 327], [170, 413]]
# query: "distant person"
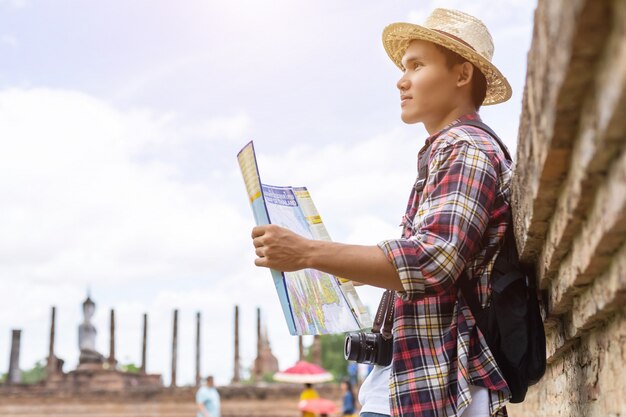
[[208, 400], [348, 398], [353, 373], [308, 394]]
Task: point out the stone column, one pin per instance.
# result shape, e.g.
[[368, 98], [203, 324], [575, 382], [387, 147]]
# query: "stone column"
[[112, 361], [300, 348], [52, 325], [52, 363], [144, 343], [174, 348], [257, 362], [15, 375], [237, 370], [316, 350], [197, 349]]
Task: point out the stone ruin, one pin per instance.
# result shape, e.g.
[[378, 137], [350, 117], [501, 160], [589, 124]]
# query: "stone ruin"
[[96, 372]]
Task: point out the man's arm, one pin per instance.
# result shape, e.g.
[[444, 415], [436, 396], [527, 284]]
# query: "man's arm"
[[454, 216], [281, 249]]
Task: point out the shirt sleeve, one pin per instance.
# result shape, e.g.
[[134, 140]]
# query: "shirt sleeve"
[[200, 396], [450, 221]]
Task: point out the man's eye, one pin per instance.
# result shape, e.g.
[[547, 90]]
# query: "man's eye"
[[417, 66]]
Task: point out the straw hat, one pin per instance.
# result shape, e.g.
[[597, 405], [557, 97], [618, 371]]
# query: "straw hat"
[[458, 32]]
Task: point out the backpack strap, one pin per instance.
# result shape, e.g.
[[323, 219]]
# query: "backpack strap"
[[480, 125], [422, 171], [507, 258], [507, 261]]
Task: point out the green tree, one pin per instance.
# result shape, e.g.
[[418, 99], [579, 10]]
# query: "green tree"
[[130, 367], [332, 355], [35, 374]]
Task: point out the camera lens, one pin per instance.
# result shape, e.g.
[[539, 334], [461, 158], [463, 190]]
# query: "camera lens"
[[351, 346]]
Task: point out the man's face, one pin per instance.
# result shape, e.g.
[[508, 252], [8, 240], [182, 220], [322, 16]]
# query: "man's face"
[[427, 87]]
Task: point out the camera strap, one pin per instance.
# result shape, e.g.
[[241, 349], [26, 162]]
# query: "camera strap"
[[384, 315]]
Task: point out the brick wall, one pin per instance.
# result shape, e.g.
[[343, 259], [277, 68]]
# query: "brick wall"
[[570, 196]]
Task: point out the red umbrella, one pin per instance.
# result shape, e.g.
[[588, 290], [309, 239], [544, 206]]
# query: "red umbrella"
[[318, 406], [304, 373]]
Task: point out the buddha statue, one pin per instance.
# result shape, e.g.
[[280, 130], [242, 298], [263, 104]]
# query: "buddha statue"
[[87, 336]]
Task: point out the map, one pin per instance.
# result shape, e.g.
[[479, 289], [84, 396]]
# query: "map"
[[313, 302]]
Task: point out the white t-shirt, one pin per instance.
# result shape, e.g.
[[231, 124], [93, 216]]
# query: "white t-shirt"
[[374, 392]]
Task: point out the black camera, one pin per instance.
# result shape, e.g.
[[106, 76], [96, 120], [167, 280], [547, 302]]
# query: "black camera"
[[368, 348]]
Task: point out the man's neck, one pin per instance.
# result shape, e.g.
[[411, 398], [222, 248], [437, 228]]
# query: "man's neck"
[[435, 124]]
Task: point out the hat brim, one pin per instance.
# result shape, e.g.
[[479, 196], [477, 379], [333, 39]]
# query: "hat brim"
[[396, 39]]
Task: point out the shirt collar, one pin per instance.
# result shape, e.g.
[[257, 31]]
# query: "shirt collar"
[[460, 120]]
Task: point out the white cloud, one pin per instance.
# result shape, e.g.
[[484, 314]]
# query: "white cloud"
[[83, 205], [9, 40], [231, 128], [18, 4], [83, 208]]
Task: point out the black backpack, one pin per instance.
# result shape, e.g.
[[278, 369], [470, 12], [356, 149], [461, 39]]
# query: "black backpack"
[[511, 324]]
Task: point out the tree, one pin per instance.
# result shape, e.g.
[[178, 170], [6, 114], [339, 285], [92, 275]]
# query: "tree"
[[131, 368], [35, 374], [332, 355]]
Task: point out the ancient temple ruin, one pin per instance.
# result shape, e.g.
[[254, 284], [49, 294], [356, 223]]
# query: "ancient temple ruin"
[[94, 372]]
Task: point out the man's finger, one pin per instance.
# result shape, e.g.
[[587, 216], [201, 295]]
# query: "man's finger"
[[258, 231], [260, 262], [257, 242], [260, 252]]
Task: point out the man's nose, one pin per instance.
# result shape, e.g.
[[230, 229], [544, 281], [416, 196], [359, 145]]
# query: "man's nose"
[[403, 83]]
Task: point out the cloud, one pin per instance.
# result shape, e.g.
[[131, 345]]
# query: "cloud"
[[489, 11], [9, 40], [93, 197], [84, 206], [17, 4]]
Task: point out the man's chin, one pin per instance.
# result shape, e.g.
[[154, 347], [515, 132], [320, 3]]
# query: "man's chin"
[[409, 119]]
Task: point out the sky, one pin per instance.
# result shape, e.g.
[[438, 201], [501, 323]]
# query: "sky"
[[120, 123]]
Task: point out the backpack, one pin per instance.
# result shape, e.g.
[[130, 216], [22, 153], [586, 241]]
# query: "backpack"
[[511, 324]]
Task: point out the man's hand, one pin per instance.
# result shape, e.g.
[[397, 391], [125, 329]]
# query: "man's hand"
[[279, 248]]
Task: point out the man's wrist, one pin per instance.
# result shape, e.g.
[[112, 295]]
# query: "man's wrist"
[[311, 254]]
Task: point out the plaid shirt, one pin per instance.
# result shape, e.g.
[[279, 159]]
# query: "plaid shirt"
[[453, 228]]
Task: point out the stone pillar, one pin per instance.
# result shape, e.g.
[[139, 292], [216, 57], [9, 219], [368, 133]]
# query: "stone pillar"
[[316, 350], [52, 325], [237, 370], [300, 348], [52, 363], [112, 361], [15, 375], [257, 363], [174, 348], [197, 349], [144, 343]]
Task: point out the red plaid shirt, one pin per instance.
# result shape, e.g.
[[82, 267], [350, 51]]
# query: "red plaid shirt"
[[454, 227]]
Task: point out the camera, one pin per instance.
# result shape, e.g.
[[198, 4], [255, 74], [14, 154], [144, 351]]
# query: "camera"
[[368, 348]]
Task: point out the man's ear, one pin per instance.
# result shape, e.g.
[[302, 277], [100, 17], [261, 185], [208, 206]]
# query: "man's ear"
[[465, 74]]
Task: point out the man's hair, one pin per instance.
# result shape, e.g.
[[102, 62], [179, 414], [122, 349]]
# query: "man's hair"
[[479, 82]]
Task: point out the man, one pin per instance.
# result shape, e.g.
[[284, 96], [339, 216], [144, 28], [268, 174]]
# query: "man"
[[208, 400], [452, 228], [308, 393]]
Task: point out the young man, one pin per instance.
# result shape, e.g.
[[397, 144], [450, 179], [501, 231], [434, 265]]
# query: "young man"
[[452, 229], [208, 400]]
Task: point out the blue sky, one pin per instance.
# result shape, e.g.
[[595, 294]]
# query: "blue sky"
[[119, 126]]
